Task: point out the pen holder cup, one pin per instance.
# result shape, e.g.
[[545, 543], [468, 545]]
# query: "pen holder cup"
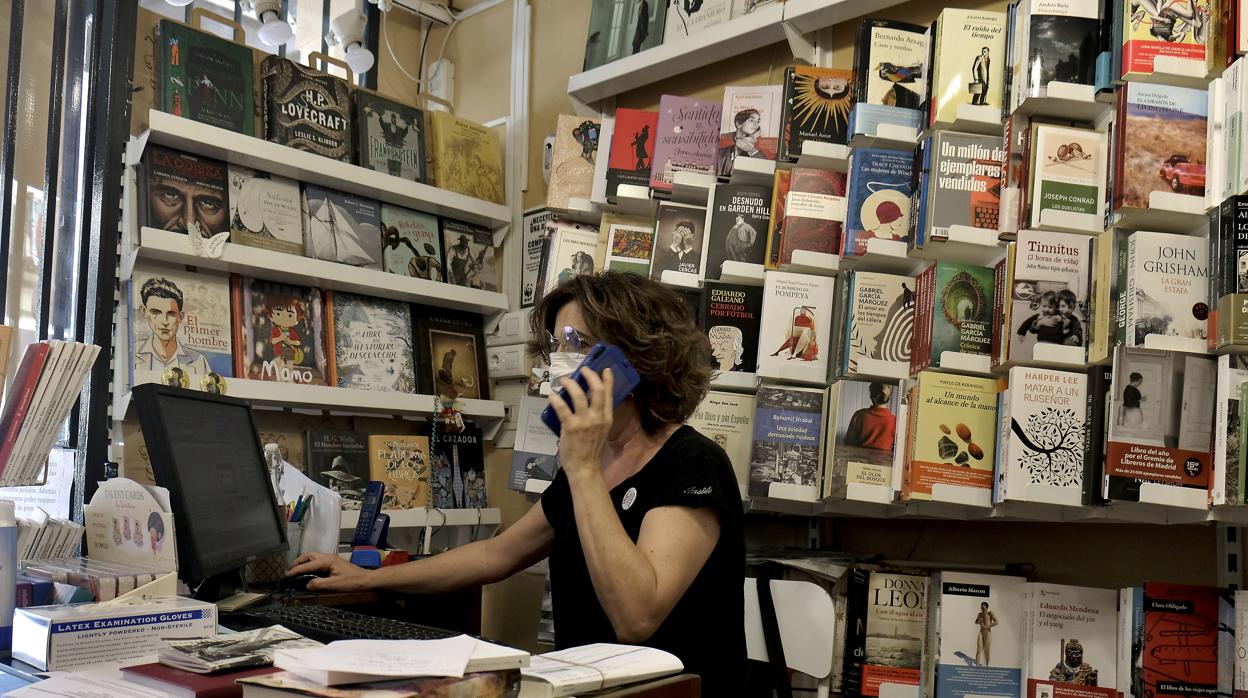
[[294, 542]]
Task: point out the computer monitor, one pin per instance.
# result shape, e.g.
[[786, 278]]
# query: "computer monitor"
[[205, 450]]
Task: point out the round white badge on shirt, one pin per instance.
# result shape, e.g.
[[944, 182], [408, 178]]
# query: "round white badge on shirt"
[[629, 497]]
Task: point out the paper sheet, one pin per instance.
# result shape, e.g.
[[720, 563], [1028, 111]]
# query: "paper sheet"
[[53, 497], [320, 534], [383, 658], [101, 683]]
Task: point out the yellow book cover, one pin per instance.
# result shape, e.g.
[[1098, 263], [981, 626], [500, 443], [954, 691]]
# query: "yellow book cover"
[[572, 166], [401, 463], [953, 434], [6, 347], [970, 62], [1174, 28], [467, 157]]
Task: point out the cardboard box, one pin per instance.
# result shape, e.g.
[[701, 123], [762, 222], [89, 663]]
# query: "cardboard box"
[[59, 638]]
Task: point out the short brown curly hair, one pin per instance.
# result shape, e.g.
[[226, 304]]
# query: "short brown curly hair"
[[654, 328]]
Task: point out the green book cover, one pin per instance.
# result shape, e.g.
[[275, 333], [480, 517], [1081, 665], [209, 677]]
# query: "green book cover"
[[962, 317], [204, 78]]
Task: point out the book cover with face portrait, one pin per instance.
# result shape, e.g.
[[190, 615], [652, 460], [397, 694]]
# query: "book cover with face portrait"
[[749, 125], [680, 235], [280, 329], [179, 326], [730, 315], [183, 193]]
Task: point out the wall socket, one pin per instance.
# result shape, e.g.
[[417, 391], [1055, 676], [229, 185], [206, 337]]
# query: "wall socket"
[[504, 363]]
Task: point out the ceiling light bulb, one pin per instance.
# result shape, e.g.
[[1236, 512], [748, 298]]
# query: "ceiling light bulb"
[[359, 58], [274, 30], [179, 3]]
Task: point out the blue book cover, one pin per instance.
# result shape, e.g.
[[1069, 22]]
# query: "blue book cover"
[[788, 438], [879, 197], [979, 635], [866, 118]]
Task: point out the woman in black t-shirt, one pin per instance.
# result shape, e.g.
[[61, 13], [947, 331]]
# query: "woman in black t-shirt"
[[643, 522]]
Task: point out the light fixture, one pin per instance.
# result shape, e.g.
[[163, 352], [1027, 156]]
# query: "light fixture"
[[347, 31], [179, 3], [274, 29]]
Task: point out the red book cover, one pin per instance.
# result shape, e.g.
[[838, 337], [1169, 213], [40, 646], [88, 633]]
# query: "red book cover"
[[632, 149], [920, 356], [184, 683], [1180, 649], [813, 212], [18, 404]]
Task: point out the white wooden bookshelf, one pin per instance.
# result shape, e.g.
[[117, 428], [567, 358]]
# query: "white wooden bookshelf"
[[209, 141], [164, 246], [806, 16]]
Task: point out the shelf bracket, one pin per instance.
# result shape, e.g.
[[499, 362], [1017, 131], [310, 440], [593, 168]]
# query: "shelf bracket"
[[802, 45]]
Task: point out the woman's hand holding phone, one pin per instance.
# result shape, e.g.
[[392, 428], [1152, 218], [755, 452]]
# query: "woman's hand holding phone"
[[586, 422]]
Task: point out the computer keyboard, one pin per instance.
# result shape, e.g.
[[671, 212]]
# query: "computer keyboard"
[[326, 624]]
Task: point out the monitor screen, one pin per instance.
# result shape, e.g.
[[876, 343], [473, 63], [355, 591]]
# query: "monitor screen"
[[206, 451]]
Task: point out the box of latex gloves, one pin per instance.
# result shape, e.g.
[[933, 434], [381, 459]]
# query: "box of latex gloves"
[[59, 638]]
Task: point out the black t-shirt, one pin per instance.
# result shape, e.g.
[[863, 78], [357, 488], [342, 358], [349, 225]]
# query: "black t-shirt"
[[706, 628], [1130, 396]]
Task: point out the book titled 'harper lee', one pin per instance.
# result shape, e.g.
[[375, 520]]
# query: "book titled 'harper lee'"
[[687, 139], [788, 439], [1045, 296], [450, 353], [278, 329], [730, 314], [797, 314], [204, 78], [952, 435], [953, 313], [737, 229], [457, 480], [410, 244], [749, 125], [265, 211], [184, 193], [1161, 134], [305, 109], [179, 320], [1152, 31], [975, 637], [1171, 612], [389, 136], [969, 46], [1160, 427], [725, 418], [680, 233], [1042, 440], [401, 463], [893, 633], [879, 198], [813, 210], [817, 102], [341, 227], [861, 438], [1069, 177], [632, 149], [1167, 287], [572, 163], [961, 176], [880, 321], [338, 460], [1071, 647], [371, 340], [889, 60]]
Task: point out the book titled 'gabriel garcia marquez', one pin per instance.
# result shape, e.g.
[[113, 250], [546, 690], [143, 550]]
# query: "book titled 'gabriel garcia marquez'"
[[953, 306]]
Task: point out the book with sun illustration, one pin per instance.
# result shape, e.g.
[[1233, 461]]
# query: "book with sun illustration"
[[371, 342], [951, 434], [953, 313], [1041, 437], [817, 103]]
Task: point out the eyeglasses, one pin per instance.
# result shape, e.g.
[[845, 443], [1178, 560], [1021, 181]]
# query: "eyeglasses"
[[569, 340]]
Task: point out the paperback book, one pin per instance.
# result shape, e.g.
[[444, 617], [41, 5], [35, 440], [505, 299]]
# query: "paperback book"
[[632, 149], [1224, 480], [953, 313], [1054, 41], [749, 125], [1042, 439], [961, 185], [737, 229], [1047, 277], [469, 255], [969, 47], [975, 637], [401, 463], [204, 78], [1151, 30], [730, 314], [775, 228], [796, 324], [1068, 177], [951, 435], [894, 623], [339, 460], [341, 227], [536, 227], [813, 211], [788, 439], [572, 164], [389, 136], [572, 253], [1166, 287], [684, 19], [410, 243], [467, 158], [450, 353], [613, 35], [265, 211], [305, 109], [180, 331], [290, 319], [1071, 643], [457, 480], [1228, 279], [878, 204], [183, 193], [862, 438], [371, 340], [889, 60], [879, 322], [1160, 427], [686, 141], [1173, 611], [629, 243], [1160, 143], [725, 418], [817, 102], [680, 234]]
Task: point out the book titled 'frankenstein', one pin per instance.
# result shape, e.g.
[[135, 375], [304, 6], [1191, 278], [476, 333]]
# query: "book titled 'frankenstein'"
[[205, 78], [389, 136], [306, 109]]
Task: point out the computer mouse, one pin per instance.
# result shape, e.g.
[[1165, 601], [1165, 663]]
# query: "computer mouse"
[[299, 582]]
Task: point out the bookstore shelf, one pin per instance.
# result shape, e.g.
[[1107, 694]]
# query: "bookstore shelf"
[[1176, 70], [1069, 102], [209, 141], [806, 16], [1168, 212], [965, 244], [885, 256], [975, 118], [692, 188], [814, 263], [438, 518], [888, 136], [164, 246], [756, 171], [735, 381], [743, 273], [824, 156]]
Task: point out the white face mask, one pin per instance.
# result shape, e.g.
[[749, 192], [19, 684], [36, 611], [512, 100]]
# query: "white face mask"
[[562, 364]]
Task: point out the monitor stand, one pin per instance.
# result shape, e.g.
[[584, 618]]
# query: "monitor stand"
[[221, 586]]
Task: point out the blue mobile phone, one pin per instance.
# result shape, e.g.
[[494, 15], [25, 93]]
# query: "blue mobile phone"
[[600, 358]]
